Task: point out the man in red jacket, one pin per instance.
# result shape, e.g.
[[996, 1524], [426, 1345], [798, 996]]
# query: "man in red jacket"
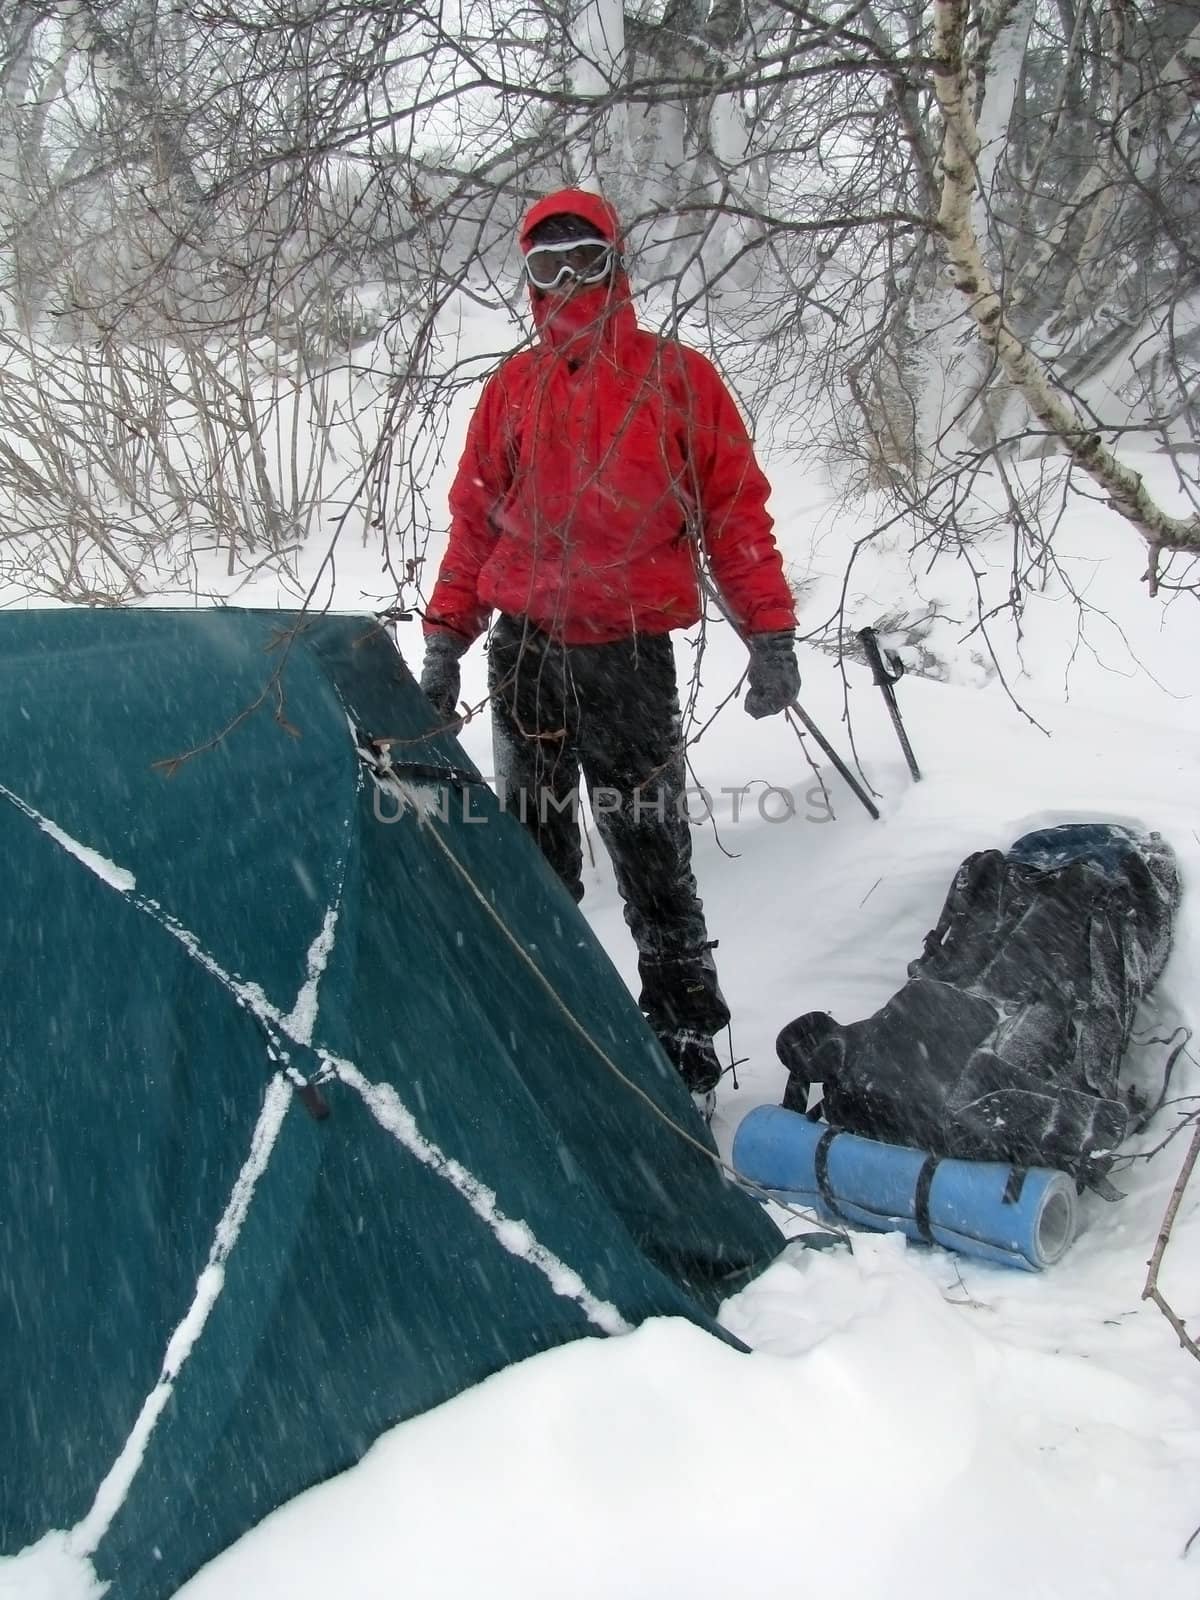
[[599, 466]]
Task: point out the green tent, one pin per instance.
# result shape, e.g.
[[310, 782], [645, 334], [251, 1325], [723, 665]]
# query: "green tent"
[[321, 1102]]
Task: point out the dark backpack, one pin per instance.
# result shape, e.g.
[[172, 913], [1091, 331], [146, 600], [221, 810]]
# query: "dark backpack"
[[1006, 1042]]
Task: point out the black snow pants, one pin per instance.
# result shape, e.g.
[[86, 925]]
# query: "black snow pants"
[[610, 712]]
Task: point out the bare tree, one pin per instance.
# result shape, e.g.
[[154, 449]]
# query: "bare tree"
[[234, 217]]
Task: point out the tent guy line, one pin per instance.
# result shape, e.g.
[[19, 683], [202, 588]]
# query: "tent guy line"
[[426, 816]]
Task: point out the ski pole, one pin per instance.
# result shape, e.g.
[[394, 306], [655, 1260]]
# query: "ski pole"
[[848, 777], [798, 710], [887, 681]]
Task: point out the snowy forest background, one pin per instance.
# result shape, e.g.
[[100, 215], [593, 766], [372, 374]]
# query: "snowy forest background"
[[930, 245]]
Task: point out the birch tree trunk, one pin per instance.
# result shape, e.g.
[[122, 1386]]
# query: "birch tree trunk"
[[598, 141], [1125, 488]]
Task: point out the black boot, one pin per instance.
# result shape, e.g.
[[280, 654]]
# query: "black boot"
[[682, 992], [694, 1058], [684, 1005]]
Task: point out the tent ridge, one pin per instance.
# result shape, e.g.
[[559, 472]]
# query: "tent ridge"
[[85, 1537], [107, 871], [511, 1233]]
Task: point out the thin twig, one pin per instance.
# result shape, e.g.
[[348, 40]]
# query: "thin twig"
[[1151, 1290]]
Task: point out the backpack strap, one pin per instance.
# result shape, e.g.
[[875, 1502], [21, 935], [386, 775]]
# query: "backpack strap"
[[821, 1169], [921, 1193], [921, 1190], [1142, 1111], [980, 873]]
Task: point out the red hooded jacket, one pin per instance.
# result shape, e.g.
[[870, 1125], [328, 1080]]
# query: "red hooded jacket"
[[592, 462]]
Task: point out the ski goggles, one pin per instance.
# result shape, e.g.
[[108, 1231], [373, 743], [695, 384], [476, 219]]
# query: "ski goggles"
[[549, 266]]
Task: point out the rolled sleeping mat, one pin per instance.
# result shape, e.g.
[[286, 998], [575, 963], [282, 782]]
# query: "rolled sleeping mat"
[[1019, 1216]]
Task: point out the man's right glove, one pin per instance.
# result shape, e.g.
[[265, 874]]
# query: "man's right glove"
[[774, 673], [441, 676]]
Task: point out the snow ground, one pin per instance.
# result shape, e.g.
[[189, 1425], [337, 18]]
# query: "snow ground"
[[910, 1423]]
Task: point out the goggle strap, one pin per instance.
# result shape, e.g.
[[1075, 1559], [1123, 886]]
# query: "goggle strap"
[[564, 246]]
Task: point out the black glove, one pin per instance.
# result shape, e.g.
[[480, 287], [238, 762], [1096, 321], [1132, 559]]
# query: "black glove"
[[774, 674], [441, 677]]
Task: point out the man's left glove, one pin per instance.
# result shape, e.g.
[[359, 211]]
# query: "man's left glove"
[[774, 673], [441, 677]]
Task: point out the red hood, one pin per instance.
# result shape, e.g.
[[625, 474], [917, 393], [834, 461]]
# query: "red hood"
[[576, 203], [593, 316]]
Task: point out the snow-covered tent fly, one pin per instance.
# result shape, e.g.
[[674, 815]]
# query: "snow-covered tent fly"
[[321, 1103]]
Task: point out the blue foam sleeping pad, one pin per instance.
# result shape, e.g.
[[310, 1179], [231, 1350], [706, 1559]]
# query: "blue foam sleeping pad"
[[1019, 1217]]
